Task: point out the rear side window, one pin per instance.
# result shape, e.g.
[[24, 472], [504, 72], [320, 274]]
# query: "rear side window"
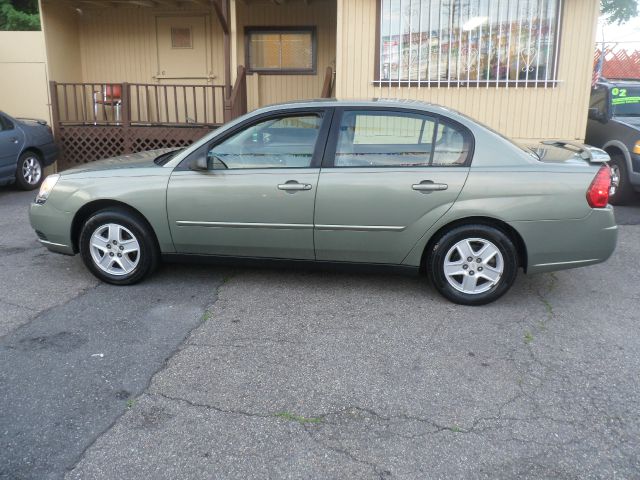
[[398, 139], [448, 146], [5, 123]]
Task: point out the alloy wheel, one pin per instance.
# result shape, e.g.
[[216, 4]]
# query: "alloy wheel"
[[114, 249], [615, 179], [473, 265], [31, 170]]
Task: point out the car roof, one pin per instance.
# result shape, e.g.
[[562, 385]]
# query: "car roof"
[[374, 102], [618, 82]]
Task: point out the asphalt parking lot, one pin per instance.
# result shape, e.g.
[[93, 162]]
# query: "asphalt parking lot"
[[211, 372]]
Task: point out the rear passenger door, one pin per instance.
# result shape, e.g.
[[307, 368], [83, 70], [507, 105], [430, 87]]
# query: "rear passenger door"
[[10, 146], [387, 176]]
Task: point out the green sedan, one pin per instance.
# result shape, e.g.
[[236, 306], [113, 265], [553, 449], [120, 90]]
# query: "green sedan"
[[389, 183]]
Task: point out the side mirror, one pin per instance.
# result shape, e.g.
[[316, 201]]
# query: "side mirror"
[[215, 163], [207, 163], [199, 164], [596, 114]]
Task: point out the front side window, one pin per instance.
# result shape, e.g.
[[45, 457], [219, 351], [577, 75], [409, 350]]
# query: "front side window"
[[290, 50], [598, 99], [468, 42], [282, 142], [389, 139]]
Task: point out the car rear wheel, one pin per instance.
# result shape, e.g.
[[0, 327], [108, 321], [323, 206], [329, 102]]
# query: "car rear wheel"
[[473, 264], [118, 247], [621, 191], [29, 171]]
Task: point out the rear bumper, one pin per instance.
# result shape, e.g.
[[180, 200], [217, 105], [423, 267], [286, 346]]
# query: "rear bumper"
[[53, 228], [50, 152], [562, 244]]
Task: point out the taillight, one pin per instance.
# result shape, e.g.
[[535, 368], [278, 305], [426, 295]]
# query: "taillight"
[[598, 193]]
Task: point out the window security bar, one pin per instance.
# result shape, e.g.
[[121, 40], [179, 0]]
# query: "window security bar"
[[465, 43]]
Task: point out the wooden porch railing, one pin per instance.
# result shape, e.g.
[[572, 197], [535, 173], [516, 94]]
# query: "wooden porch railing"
[[327, 87], [100, 120], [137, 104], [236, 104], [145, 104]]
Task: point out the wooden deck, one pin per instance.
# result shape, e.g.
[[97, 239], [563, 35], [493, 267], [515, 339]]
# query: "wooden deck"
[[93, 121]]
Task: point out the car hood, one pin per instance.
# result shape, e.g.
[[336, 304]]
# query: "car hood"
[[132, 160], [633, 122]]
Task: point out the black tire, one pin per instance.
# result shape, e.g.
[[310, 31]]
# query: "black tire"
[[29, 166], [147, 256], [444, 246], [624, 192]]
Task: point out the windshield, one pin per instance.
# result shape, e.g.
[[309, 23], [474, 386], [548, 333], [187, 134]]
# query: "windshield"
[[626, 101]]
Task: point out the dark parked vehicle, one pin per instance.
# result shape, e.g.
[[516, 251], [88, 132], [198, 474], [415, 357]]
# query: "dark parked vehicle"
[[26, 147], [614, 126]]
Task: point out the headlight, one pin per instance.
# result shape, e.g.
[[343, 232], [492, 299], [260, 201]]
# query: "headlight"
[[46, 188], [636, 148]]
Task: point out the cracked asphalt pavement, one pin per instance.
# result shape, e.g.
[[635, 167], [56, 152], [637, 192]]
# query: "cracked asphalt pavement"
[[262, 373]]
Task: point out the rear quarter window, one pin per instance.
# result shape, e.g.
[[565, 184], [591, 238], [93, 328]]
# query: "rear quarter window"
[[5, 123]]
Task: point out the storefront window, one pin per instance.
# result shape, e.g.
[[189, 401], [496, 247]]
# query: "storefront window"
[[469, 42]]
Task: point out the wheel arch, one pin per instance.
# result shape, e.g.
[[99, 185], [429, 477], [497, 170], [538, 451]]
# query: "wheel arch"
[[35, 150], [83, 214], [501, 225], [615, 147]]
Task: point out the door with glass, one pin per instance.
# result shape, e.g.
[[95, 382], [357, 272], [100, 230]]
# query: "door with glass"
[[10, 145], [257, 200], [387, 177]]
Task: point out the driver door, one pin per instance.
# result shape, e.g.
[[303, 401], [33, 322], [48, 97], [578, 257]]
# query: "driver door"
[[258, 199]]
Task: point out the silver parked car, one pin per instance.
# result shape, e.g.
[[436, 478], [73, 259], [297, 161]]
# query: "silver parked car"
[[26, 148], [395, 184]]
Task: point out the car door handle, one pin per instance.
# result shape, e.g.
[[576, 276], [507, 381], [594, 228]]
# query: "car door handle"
[[14, 139], [428, 186], [294, 186]]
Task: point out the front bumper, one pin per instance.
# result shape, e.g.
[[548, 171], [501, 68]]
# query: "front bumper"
[[562, 244], [53, 227], [634, 175], [635, 162]]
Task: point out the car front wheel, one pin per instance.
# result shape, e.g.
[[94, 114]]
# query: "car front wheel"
[[118, 247], [621, 191], [473, 264]]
